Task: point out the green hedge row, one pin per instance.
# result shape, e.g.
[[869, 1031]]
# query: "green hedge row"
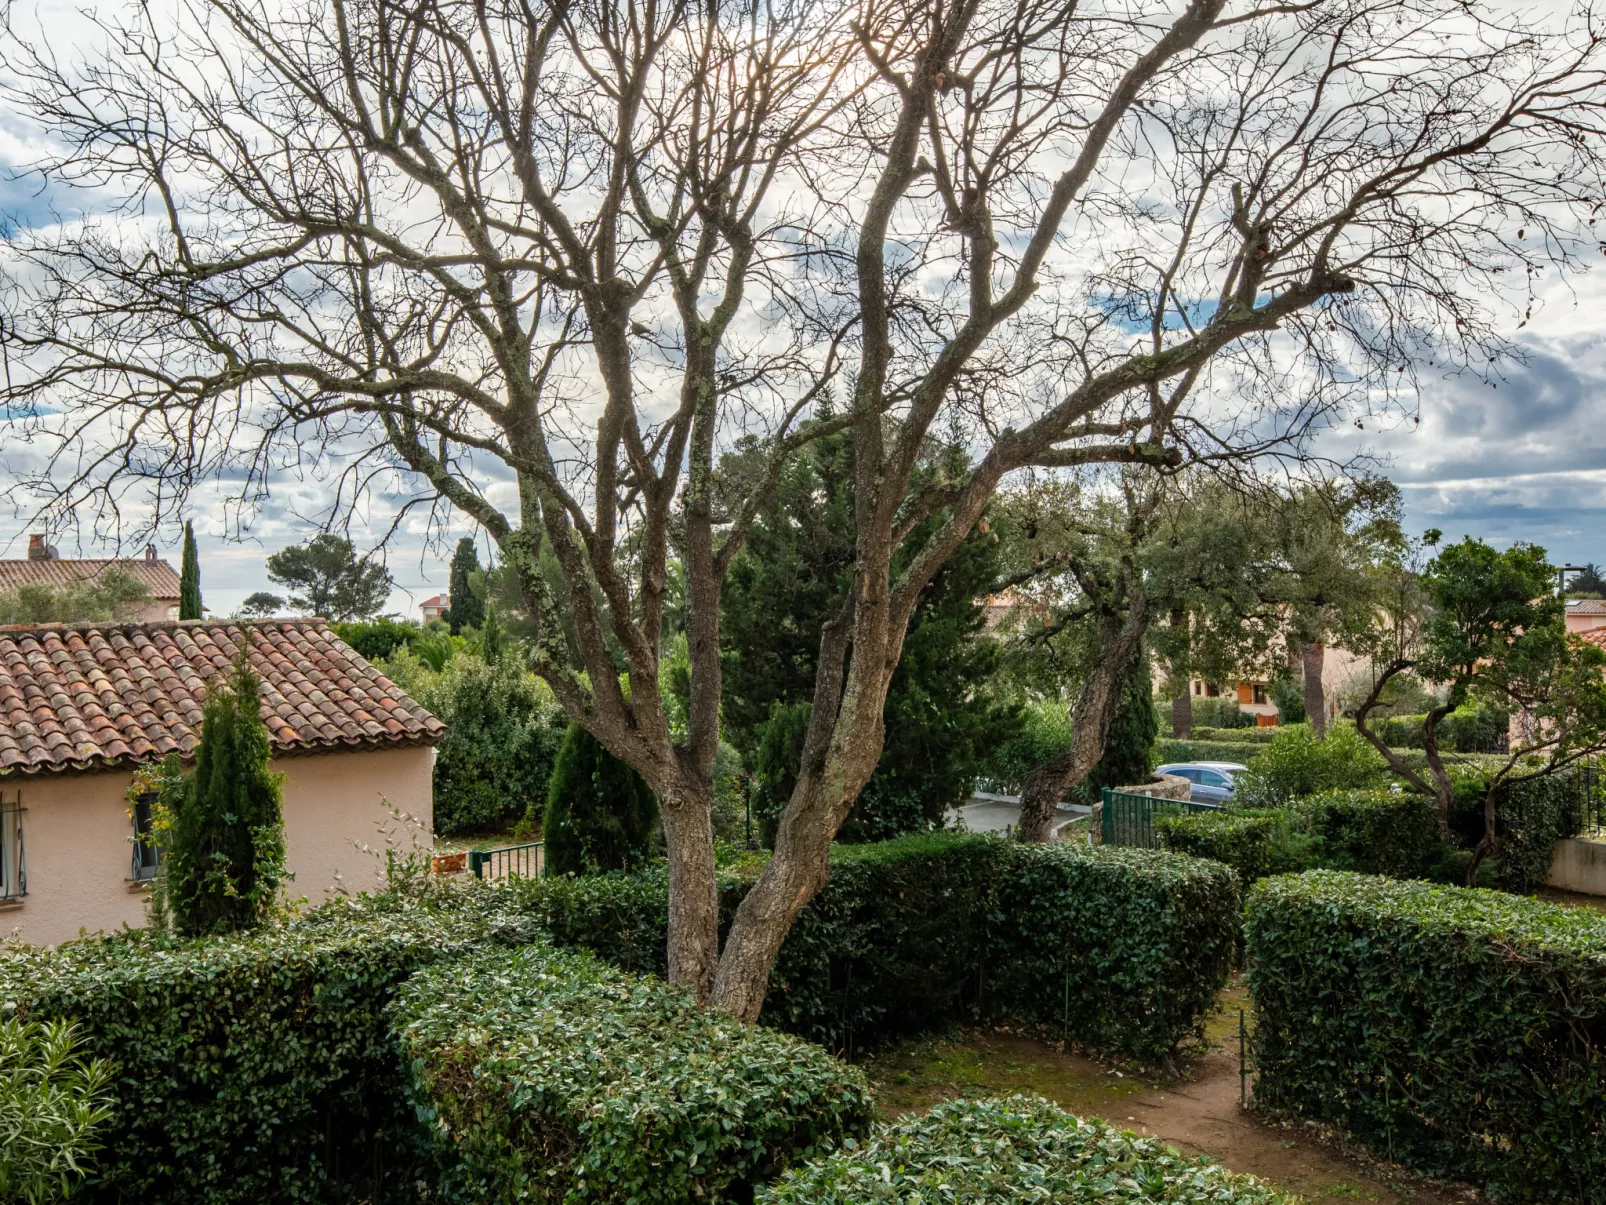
[[944, 925], [254, 1067], [1011, 1152], [1460, 1032], [1391, 832], [1168, 749], [1247, 841], [548, 1076], [1245, 736]]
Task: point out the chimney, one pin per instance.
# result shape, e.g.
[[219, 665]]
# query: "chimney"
[[150, 554], [38, 550]]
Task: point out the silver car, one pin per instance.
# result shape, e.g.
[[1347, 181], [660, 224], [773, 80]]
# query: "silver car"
[[1213, 781]]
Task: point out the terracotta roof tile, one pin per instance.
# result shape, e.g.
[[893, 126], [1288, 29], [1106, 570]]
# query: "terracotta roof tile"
[[1586, 606], [156, 576], [77, 697], [1597, 637]]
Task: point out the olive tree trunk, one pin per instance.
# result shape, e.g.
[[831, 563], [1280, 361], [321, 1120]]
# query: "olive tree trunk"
[[1310, 663]]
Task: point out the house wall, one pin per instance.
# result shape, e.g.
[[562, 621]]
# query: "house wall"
[[1579, 865], [76, 832]]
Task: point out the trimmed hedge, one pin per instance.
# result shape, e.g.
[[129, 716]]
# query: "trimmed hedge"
[[1245, 840], [1010, 1152], [938, 926], [1378, 832], [549, 1076], [253, 1067], [1247, 736], [1462, 1032], [1169, 749]]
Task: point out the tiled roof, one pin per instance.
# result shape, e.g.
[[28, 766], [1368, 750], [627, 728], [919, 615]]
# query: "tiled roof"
[[1596, 637], [91, 696], [156, 576], [440, 600], [1586, 606]]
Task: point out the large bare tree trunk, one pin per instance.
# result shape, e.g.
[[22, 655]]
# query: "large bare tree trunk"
[[1182, 712], [1310, 663]]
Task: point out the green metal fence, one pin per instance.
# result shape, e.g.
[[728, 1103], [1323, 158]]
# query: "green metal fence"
[[1129, 819], [509, 861]]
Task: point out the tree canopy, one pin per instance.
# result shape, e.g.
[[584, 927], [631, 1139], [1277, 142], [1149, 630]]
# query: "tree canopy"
[[326, 577], [547, 264], [467, 609], [111, 594]]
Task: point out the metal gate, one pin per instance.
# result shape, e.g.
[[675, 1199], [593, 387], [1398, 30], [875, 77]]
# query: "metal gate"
[[1128, 819]]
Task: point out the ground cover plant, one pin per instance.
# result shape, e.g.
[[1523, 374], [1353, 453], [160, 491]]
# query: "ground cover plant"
[[1012, 1152], [52, 1103], [549, 1076], [1458, 1031]]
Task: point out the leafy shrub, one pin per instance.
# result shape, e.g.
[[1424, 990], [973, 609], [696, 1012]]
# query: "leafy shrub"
[[1044, 733], [1390, 832], [1466, 730], [1012, 1152], [52, 1102], [503, 728], [599, 814], [1244, 840], [225, 852], [251, 1067], [1253, 736], [377, 639], [1221, 712], [943, 925], [1530, 818], [1289, 697], [1296, 762], [555, 1078], [1242, 752], [1462, 1032]]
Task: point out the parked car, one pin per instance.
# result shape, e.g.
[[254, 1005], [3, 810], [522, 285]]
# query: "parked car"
[[1213, 781]]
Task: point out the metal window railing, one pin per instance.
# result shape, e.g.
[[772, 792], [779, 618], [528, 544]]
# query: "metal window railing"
[[13, 852], [509, 861], [1128, 819]]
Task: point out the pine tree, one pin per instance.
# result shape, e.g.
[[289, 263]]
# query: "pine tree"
[[1129, 753], [467, 609], [189, 580], [226, 849], [599, 813]]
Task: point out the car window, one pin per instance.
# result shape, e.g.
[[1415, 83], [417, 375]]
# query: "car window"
[[1191, 773], [1210, 778]]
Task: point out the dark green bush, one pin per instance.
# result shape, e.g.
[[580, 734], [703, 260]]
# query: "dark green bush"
[[549, 1076], [248, 1068], [1296, 762], [377, 639], [1233, 736], [1472, 730], [1129, 749], [944, 925], [1530, 817], [599, 814], [1390, 832], [1166, 749], [1020, 1151], [1244, 840], [1460, 1032]]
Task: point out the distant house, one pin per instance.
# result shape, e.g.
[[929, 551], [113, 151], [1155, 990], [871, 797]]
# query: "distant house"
[[1585, 614], [435, 608], [44, 566], [82, 706]]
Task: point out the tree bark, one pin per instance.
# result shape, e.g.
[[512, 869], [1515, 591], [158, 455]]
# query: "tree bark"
[[694, 920], [1119, 640], [1311, 657], [1182, 712]]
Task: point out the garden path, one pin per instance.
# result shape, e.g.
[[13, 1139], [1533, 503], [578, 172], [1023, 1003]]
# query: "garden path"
[[1198, 1114]]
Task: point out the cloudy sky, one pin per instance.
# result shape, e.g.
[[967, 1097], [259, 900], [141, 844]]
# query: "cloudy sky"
[[1524, 460]]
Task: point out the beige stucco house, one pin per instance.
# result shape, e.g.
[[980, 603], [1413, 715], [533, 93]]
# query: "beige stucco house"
[[45, 567], [82, 706]]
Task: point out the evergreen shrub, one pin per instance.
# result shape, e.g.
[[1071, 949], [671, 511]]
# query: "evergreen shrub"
[[1245, 840], [249, 1067], [1168, 749], [1251, 736], [1296, 762], [1019, 1151], [548, 1076], [940, 926], [1461, 1032], [599, 813], [1390, 832], [1129, 749]]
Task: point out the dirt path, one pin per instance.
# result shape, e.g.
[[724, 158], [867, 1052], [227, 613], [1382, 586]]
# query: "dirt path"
[[1199, 1114]]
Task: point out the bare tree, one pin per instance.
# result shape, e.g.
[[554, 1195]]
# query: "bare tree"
[[543, 261]]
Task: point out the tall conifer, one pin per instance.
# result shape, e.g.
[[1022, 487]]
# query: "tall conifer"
[[189, 579]]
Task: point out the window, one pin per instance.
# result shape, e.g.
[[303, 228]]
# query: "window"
[[1260, 692], [1210, 778], [146, 854], [13, 861]]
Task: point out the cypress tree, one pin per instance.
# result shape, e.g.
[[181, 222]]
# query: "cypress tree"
[[599, 812], [189, 580], [1129, 751], [226, 847], [466, 611]]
